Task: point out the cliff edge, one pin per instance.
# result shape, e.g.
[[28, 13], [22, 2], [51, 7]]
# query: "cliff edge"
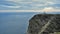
[[44, 24]]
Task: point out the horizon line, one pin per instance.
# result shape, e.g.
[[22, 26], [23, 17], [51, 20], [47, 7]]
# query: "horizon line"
[[29, 11]]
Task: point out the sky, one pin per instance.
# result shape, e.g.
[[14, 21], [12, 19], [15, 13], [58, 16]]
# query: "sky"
[[29, 4]]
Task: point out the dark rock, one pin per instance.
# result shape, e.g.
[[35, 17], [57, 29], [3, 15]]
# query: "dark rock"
[[37, 22]]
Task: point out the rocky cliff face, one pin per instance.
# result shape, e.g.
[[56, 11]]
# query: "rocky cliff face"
[[44, 24]]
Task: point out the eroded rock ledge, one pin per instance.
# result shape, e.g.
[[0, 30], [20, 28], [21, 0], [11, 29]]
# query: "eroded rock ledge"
[[37, 24]]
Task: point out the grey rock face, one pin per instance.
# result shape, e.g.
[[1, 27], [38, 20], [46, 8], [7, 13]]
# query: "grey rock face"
[[37, 22]]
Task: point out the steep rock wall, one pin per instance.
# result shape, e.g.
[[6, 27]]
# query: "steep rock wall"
[[37, 24]]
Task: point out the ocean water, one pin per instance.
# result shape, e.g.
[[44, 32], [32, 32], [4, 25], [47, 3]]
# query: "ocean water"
[[14, 23]]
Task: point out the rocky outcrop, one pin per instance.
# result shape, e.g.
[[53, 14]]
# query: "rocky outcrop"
[[44, 24]]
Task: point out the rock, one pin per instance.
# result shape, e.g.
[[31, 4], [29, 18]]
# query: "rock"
[[37, 24]]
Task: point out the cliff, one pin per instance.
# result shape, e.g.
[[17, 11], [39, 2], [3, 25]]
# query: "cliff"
[[44, 24]]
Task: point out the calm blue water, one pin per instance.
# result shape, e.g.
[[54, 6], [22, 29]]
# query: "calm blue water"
[[15, 23]]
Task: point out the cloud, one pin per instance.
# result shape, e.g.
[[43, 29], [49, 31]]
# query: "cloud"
[[14, 0], [19, 11], [13, 6], [18, 1], [48, 9], [30, 4], [38, 5], [49, 3], [35, 0], [41, 4], [10, 6]]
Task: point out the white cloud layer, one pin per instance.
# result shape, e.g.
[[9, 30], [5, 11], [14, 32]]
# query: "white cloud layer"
[[11, 6], [47, 9], [14, 0], [44, 10], [32, 4]]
